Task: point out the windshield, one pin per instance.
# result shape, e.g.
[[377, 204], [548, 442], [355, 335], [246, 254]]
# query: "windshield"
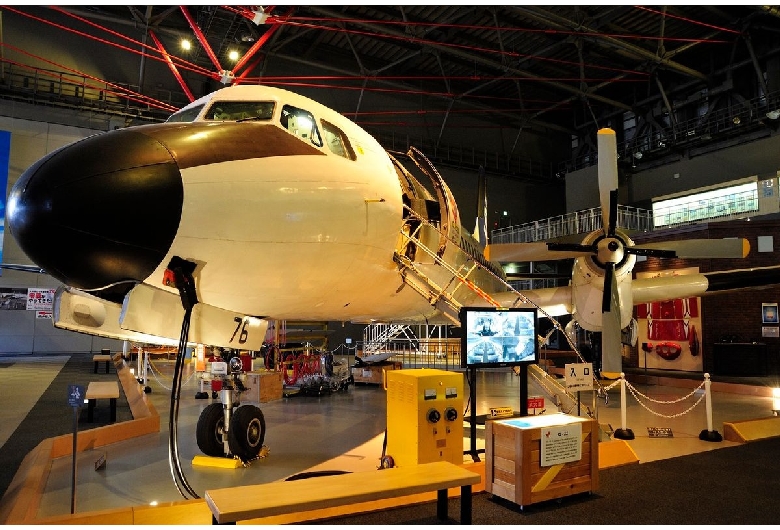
[[240, 110], [187, 114]]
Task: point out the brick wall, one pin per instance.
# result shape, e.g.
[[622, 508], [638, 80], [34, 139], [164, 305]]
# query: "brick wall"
[[725, 315]]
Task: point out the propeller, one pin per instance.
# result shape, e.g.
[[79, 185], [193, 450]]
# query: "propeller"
[[609, 250]]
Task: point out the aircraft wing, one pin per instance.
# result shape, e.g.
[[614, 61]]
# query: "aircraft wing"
[[701, 284], [555, 301]]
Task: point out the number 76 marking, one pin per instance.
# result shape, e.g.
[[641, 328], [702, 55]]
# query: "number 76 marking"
[[240, 324]]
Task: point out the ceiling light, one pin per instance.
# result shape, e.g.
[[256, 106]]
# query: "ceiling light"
[[185, 44], [773, 114], [736, 120], [233, 55], [638, 155]]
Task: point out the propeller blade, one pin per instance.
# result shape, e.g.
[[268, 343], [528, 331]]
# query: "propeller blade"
[[609, 279], [613, 209], [611, 344], [697, 248], [538, 251], [608, 174]]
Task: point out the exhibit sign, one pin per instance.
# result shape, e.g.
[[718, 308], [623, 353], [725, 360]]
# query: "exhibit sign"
[[770, 331], [39, 299], [561, 444], [579, 376]]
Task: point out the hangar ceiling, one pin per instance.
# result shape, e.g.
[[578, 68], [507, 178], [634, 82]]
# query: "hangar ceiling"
[[669, 79]]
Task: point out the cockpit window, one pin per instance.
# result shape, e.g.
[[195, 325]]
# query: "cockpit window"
[[186, 115], [337, 141], [301, 123], [240, 110]]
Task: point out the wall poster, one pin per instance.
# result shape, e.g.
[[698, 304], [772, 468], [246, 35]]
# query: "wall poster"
[[769, 313]]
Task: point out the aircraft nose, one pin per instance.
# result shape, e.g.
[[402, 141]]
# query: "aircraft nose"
[[99, 211]]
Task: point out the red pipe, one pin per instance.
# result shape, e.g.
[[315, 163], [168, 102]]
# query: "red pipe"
[[256, 47], [172, 67], [201, 38]]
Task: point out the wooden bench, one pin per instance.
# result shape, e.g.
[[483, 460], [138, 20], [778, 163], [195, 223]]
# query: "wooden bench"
[[229, 505], [101, 357], [102, 390]]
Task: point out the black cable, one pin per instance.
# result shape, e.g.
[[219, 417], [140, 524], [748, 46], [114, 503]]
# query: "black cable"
[[182, 273], [173, 443]]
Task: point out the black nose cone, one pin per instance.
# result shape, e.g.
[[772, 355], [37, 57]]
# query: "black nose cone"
[[100, 211]]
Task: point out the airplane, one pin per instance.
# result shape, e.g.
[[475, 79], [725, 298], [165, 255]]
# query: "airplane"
[[255, 204]]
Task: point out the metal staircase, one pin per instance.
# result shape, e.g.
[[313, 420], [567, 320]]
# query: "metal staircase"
[[439, 296], [376, 337]]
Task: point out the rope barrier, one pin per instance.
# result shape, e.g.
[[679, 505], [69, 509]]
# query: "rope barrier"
[[707, 434]]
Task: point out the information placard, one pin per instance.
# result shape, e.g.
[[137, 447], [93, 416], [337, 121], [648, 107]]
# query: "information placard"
[[561, 444], [579, 376]]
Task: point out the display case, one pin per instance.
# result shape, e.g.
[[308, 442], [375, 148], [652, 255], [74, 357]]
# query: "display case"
[[538, 458]]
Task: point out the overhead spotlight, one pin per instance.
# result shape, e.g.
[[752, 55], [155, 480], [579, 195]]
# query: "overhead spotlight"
[[661, 143], [773, 114], [638, 155], [233, 55], [185, 44], [735, 120]]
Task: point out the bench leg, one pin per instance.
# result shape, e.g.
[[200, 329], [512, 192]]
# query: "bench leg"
[[465, 504], [107, 366], [96, 366], [441, 505], [214, 520], [90, 409], [113, 410]]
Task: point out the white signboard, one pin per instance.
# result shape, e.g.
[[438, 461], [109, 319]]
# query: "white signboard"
[[561, 444], [579, 376], [39, 299]]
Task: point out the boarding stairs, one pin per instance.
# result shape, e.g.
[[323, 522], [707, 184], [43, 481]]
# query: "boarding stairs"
[[442, 298], [439, 296]]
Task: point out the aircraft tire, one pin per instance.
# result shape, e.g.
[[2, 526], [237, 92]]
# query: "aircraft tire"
[[247, 432], [210, 430]]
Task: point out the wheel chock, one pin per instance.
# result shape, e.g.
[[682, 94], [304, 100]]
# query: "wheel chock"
[[216, 461]]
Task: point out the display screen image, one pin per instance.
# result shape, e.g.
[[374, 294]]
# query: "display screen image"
[[498, 337]]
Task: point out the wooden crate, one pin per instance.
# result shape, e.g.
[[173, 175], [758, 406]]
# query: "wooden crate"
[[264, 385], [513, 458], [373, 373]]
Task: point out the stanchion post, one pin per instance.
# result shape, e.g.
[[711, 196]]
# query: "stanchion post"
[[709, 435], [623, 433]]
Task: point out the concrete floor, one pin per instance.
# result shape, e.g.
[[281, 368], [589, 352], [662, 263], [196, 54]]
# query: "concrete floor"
[[345, 431]]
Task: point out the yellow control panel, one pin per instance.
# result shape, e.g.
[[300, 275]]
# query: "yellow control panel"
[[424, 416]]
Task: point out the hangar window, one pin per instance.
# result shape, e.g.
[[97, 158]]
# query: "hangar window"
[[186, 114], [240, 110], [337, 141], [301, 123]]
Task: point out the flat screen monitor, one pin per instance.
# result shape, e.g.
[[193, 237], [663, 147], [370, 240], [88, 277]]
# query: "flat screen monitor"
[[498, 337]]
